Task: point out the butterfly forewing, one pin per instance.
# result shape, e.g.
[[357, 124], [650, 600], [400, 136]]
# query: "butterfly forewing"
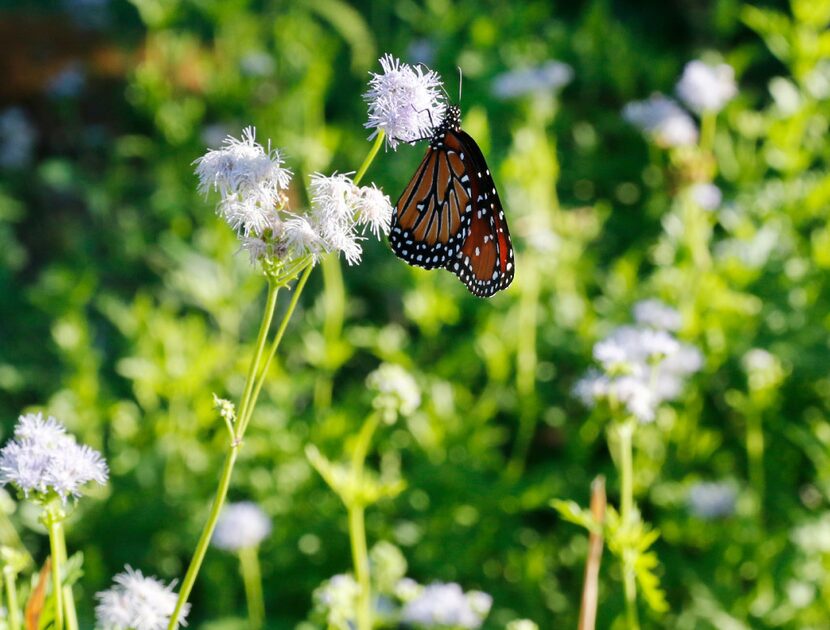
[[450, 214], [432, 216]]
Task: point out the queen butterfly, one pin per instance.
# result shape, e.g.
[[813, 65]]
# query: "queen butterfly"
[[450, 214]]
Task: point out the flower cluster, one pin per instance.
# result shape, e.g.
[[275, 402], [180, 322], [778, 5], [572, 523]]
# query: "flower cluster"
[[663, 120], [253, 185], [405, 102], [43, 460], [702, 88], [548, 78], [241, 526], [336, 600], [394, 391], [640, 366], [712, 499], [398, 598], [135, 602], [705, 88], [447, 605]]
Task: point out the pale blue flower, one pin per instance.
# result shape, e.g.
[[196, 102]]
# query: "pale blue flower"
[[241, 525]]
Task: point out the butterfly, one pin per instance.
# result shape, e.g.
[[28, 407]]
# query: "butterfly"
[[450, 214]]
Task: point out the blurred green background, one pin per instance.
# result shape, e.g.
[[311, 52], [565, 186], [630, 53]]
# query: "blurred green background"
[[124, 305]]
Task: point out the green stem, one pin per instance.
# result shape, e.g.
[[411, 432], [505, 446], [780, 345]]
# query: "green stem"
[[68, 597], [275, 344], [248, 400], [247, 394], [369, 157], [625, 432], [252, 579], [360, 556], [708, 123], [207, 533], [10, 581], [357, 526], [755, 456], [54, 526]]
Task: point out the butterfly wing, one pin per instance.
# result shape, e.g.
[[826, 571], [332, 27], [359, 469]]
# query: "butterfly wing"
[[485, 261], [432, 217]]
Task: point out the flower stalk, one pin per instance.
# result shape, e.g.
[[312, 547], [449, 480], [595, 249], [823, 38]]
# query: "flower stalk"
[[252, 579], [628, 515], [279, 276], [356, 507], [52, 518], [10, 586]]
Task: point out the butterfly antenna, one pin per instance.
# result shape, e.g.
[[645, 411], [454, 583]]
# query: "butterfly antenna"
[[460, 77]]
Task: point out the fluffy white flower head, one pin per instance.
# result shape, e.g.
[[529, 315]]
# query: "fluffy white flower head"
[[241, 526], [663, 120], [374, 210], [706, 88], [43, 459], [405, 102], [249, 179], [135, 602], [395, 391], [447, 605], [656, 314], [548, 78]]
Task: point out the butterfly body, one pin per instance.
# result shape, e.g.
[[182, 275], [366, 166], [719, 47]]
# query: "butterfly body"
[[450, 215]]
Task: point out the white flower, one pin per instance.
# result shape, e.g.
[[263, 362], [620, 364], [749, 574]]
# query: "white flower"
[[405, 102], [43, 459], [300, 238], [548, 78], [711, 500], [135, 602], [656, 314], [663, 120], [447, 605], [706, 88], [249, 179], [522, 624], [17, 138], [407, 589], [628, 348], [374, 210], [336, 598], [333, 214], [641, 367], [639, 399], [706, 195], [394, 389], [241, 526]]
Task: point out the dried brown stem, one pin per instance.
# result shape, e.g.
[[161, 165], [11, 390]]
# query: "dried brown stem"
[[590, 588]]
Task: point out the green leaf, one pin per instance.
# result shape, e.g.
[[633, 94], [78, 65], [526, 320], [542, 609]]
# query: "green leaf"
[[572, 512]]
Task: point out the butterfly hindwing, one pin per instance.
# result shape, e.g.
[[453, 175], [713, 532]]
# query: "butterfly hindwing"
[[485, 263]]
